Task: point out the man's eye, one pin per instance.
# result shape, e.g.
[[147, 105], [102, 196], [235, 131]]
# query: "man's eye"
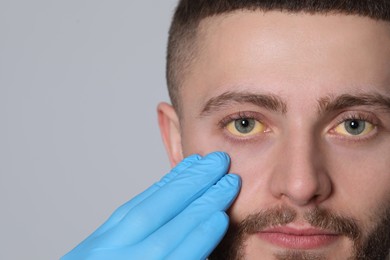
[[245, 127], [354, 127]]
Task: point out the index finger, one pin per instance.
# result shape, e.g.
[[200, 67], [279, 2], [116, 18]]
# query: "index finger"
[[172, 198]]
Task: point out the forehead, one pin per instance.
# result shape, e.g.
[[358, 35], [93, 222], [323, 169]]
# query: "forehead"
[[284, 53]]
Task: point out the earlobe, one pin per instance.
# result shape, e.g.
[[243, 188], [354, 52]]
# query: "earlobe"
[[170, 132]]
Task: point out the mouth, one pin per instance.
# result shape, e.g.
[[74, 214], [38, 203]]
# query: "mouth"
[[298, 238]]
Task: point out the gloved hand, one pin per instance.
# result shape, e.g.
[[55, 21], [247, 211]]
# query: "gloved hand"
[[180, 217]]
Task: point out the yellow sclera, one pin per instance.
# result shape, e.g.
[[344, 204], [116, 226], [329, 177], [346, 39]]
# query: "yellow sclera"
[[342, 128], [255, 129]]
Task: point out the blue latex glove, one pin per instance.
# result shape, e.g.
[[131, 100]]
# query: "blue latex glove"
[[180, 217]]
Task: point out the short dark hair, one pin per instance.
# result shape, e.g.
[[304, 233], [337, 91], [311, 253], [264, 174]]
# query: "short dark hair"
[[189, 13]]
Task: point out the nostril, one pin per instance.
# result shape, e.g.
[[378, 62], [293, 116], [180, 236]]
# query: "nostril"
[[302, 177], [302, 191]]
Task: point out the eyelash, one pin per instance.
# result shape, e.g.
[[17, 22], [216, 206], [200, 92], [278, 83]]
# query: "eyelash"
[[240, 115], [360, 117]]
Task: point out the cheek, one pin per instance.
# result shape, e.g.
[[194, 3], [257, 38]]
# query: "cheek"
[[361, 177], [251, 161], [254, 168]]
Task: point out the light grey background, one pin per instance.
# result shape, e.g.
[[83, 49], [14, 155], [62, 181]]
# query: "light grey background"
[[79, 85]]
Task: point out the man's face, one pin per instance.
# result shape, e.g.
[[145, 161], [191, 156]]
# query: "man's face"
[[301, 104]]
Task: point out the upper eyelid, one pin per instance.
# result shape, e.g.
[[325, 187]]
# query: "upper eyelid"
[[240, 115], [357, 115]]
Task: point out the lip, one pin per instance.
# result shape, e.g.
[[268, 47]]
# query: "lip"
[[295, 238]]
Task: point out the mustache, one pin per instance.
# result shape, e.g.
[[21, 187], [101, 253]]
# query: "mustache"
[[318, 218], [375, 246]]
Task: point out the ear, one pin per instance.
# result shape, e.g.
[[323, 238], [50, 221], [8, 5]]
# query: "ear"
[[170, 132]]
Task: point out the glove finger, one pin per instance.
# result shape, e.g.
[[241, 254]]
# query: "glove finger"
[[120, 212], [218, 198], [169, 200], [195, 246]]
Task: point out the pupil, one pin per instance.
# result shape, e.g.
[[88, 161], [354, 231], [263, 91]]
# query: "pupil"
[[245, 126], [355, 127], [245, 123], [354, 124]]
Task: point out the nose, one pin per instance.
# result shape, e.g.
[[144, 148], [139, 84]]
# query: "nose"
[[300, 176]]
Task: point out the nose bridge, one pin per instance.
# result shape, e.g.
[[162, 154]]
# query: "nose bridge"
[[300, 175]]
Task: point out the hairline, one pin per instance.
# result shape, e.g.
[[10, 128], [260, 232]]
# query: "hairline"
[[198, 29]]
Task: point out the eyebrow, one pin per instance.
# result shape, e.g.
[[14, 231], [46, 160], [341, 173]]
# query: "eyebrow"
[[330, 103], [267, 101], [275, 103]]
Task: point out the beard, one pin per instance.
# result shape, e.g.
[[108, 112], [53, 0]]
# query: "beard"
[[375, 245]]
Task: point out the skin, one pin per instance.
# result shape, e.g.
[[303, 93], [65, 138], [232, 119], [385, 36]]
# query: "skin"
[[300, 159]]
